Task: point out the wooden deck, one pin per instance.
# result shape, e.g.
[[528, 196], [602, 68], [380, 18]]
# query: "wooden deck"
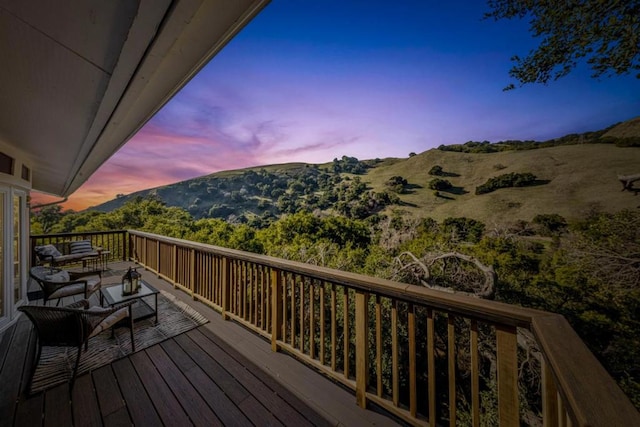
[[217, 374]]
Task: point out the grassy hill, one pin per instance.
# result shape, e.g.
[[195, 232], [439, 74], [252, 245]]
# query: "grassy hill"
[[580, 177], [572, 179]]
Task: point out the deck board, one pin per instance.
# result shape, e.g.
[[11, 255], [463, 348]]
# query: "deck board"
[[143, 411], [232, 388], [11, 374], [30, 414], [110, 398], [186, 394], [280, 409], [218, 401], [57, 407], [85, 408], [161, 395], [269, 381]]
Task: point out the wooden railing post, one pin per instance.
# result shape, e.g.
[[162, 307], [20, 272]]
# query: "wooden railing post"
[[362, 347], [126, 245], [192, 272], [549, 397], [174, 265], [507, 346], [158, 258], [276, 308], [225, 278]]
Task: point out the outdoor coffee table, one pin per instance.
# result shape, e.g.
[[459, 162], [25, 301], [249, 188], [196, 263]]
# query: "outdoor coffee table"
[[141, 309]]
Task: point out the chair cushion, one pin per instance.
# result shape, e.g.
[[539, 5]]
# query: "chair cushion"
[[60, 276], [110, 320], [47, 250], [80, 247], [93, 284]]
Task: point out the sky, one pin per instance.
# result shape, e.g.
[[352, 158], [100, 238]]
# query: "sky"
[[312, 81]]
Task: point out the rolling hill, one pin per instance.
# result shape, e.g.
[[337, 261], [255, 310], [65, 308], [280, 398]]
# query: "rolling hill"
[[574, 174]]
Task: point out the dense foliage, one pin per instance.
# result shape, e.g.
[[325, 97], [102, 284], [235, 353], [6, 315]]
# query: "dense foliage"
[[596, 137], [605, 33], [589, 271], [505, 181]]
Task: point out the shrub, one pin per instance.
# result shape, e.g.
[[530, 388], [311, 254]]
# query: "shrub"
[[506, 181], [436, 170], [439, 184], [550, 224], [396, 184]]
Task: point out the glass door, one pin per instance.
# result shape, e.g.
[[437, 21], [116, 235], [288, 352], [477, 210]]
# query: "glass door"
[[4, 287], [18, 255]]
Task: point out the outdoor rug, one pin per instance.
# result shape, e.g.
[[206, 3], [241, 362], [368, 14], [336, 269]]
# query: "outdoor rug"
[[56, 363]]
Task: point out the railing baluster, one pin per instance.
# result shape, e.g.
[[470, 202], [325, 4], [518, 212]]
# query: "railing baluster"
[[562, 414], [226, 287], [243, 285], [302, 313], [431, 366], [334, 328], [378, 347], [293, 310], [508, 409], [395, 377], [249, 292], [549, 397], [345, 335], [322, 323], [475, 375], [276, 316], [451, 358], [362, 347], [312, 321], [285, 281], [192, 271], [413, 399]]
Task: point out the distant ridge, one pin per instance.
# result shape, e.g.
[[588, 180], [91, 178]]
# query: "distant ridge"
[[572, 180], [628, 129]]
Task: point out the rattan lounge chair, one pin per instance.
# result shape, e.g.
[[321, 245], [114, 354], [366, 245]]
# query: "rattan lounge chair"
[[57, 283], [73, 325]]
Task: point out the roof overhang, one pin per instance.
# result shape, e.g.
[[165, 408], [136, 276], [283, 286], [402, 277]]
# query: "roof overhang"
[[79, 78]]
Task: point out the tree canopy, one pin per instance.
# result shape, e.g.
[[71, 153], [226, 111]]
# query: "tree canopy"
[[604, 33]]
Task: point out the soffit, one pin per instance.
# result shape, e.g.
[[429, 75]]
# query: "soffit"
[[79, 78]]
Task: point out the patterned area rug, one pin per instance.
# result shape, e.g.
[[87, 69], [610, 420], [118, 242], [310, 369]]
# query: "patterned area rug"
[[56, 363]]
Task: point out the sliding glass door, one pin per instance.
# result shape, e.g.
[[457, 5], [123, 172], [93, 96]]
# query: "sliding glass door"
[[18, 255], [13, 252]]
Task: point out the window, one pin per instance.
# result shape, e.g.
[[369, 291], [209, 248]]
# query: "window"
[[26, 173], [6, 164]]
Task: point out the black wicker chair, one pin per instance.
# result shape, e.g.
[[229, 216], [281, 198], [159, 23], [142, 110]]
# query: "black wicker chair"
[[73, 325], [56, 286]]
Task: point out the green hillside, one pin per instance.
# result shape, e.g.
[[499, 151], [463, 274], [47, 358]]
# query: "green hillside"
[[574, 174]]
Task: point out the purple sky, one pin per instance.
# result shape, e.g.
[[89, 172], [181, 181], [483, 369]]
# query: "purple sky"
[[311, 81]]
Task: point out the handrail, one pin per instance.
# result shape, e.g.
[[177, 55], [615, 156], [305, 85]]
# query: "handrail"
[[395, 345]]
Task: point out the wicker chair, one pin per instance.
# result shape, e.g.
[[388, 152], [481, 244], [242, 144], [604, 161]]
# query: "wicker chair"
[[73, 325], [54, 282]]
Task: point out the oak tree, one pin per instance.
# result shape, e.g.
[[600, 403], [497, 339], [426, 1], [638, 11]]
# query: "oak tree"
[[605, 33]]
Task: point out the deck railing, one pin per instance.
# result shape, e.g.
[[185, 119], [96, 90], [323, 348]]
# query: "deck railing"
[[429, 357]]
